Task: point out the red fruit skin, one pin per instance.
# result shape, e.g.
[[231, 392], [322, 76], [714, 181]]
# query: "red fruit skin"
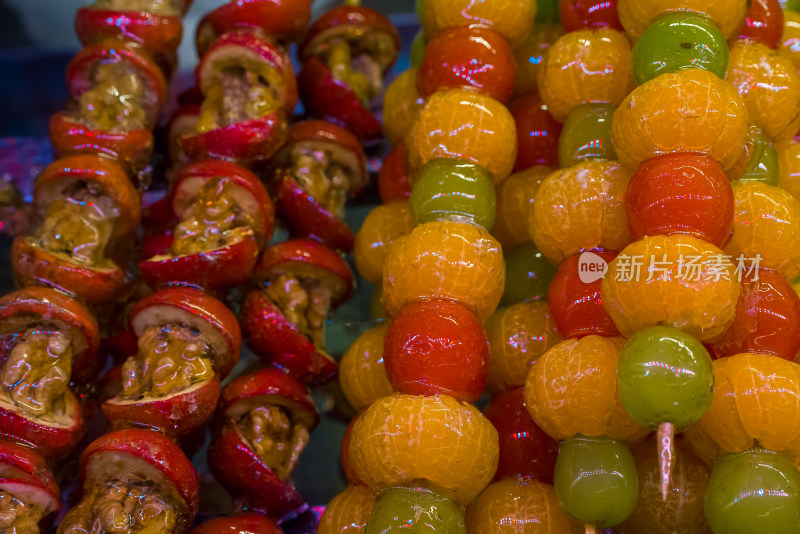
[[437, 347], [155, 245], [158, 219], [216, 269], [69, 137], [393, 183], [333, 100], [176, 415], [159, 34], [35, 266], [156, 449], [537, 133], [589, 14], [526, 452], [764, 23], [242, 524], [32, 471], [245, 142], [681, 194], [473, 57], [766, 320], [239, 469], [278, 342], [51, 305], [577, 308], [49, 441], [307, 218]]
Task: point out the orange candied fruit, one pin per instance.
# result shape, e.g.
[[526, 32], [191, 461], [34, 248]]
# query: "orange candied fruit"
[[513, 19], [383, 225], [514, 201], [637, 15]]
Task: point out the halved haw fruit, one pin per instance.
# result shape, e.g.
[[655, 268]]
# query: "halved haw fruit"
[[320, 166], [47, 339], [29, 495], [249, 88], [188, 342], [284, 319], [263, 425], [225, 217], [345, 55], [134, 480], [239, 524], [88, 207]]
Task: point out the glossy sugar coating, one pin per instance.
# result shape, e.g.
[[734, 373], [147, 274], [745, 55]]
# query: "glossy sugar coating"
[[413, 510], [683, 510], [401, 104], [790, 40], [637, 15], [529, 57], [770, 88], [465, 125], [383, 225], [572, 389], [514, 202], [528, 275], [538, 132], [767, 224], [665, 376], [763, 159], [518, 336], [362, 374], [681, 281], [513, 506], [348, 512], [756, 403], [394, 440], [764, 23], [579, 208], [754, 491], [587, 135], [513, 19], [687, 111], [586, 66], [789, 167], [578, 14], [445, 260]]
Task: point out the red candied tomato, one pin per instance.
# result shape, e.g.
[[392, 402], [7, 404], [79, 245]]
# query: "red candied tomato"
[[681, 194], [249, 88], [133, 147], [28, 487], [280, 19], [110, 62], [153, 476], [284, 321], [764, 23], [437, 347], [262, 426], [160, 34], [345, 55], [393, 183], [320, 166], [537, 133], [474, 57], [582, 14], [766, 320], [47, 339], [577, 306], [240, 524], [526, 452], [225, 217], [88, 208], [188, 342]]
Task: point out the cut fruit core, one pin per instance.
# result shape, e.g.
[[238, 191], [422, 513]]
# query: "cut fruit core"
[[241, 94], [18, 516], [171, 358], [157, 7], [318, 173], [116, 101], [276, 440], [35, 376], [214, 220], [358, 58], [303, 302]]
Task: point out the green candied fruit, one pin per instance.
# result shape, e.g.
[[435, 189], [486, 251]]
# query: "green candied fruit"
[[754, 492], [528, 275], [453, 189], [596, 481], [665, 376], [415, 511], [586, 135], [763, 165], [417, 50], [547, 12]]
